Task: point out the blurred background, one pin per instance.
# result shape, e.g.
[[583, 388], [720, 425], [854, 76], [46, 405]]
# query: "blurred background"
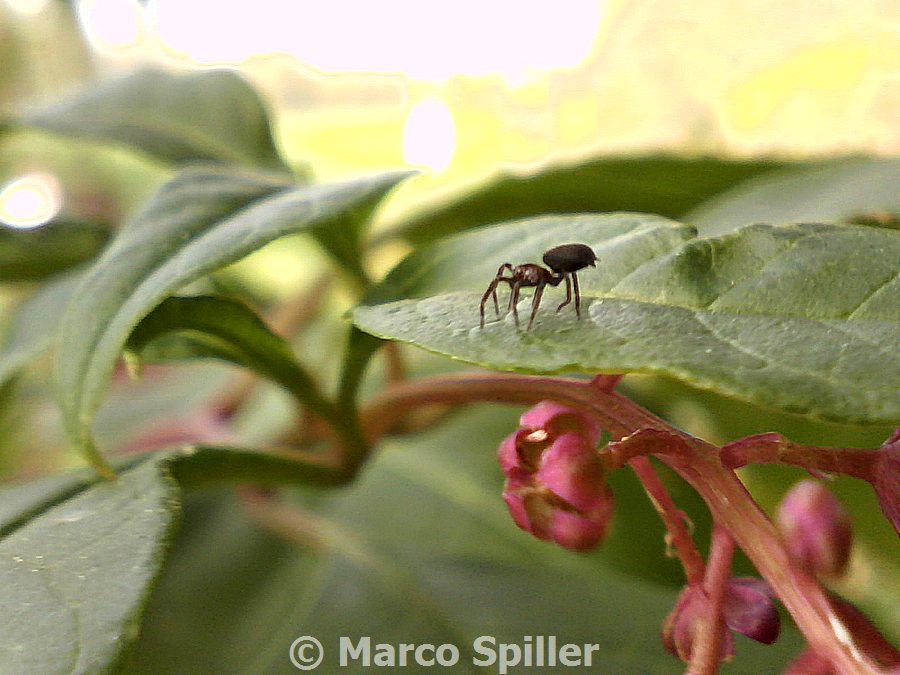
[[468, 88]]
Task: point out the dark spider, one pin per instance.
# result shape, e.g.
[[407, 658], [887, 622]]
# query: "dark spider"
[[564, 261]]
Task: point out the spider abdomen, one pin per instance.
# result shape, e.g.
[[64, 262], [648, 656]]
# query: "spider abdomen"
[[568, 258]]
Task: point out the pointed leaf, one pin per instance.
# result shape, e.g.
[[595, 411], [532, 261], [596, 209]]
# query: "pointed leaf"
[[202, 220], [222, 329], [800, 317], [211, 115]]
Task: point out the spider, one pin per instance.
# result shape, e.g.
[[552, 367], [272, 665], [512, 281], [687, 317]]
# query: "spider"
[[564, 261]]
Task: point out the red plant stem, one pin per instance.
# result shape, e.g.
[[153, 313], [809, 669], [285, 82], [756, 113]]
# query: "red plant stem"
[[773, 448], [672, 517], [707, 651], [698, 463]]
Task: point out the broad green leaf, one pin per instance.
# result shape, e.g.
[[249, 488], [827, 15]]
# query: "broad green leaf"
[[841, 190], [223, 329], [202, 220], [419, 549], [664, 184], [79, 557], [799, 317], [76, 577], [27, 255], [211, 115], [34, 325]]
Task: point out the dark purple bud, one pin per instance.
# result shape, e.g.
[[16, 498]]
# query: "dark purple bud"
[[748, 609], [816, 528]]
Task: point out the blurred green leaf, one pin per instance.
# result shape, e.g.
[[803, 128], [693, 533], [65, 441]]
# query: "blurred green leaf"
[[76, 577], [839, 190], [667, 185], [79, 556], [200, 221], [223, 329], [800, 317], [210, 115], [34, 325], [32, 254], [420, 549]]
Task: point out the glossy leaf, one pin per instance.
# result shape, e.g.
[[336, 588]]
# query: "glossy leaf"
[[798, 317], [211, 115], [28, 255], [202, 220], [847, 189], [665, 184]]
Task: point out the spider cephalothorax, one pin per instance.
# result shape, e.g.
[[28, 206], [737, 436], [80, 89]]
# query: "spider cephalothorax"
[[564, 261]]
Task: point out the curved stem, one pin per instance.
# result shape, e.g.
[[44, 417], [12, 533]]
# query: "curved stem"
[[697, 462]]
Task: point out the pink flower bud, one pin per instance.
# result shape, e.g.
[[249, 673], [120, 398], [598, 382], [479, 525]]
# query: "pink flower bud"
[[556, 418], [747, 608], [816, 528], [555, 487]]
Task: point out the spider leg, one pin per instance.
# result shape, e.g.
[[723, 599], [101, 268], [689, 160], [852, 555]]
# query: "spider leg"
[[568, 293], [514, 300], [577, 295], [535, 303], [491, 291]]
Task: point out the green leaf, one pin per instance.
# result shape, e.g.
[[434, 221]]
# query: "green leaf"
[[223, 329], [76, 578], [212, 115], [28, 255], [35, 325], [667, 185], [799, 317], [419, 550], [842, 190], [200, 221], [79, 557]]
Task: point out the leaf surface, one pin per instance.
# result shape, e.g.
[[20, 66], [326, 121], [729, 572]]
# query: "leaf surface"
[[212, 115], [665, 184], [28, 255], [34, 326], [843, 189], [799, 317], [76, 577], [202, 220]]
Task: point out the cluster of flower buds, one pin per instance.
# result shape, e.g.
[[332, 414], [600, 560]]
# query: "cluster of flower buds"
[[747, 608], [555, 485], [816, 528]]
